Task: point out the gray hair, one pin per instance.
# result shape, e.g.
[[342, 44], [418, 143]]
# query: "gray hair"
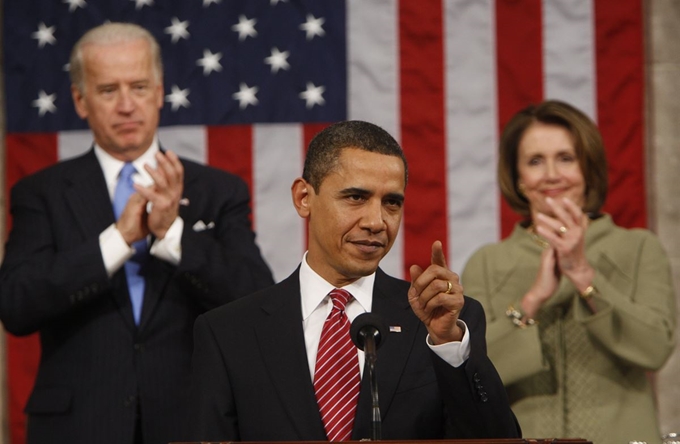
[[110, 33]]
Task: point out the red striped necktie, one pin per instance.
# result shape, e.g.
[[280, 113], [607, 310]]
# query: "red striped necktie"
[[336, 375]]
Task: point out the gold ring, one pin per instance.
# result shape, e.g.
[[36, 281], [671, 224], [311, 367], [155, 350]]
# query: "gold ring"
[[449, 287], [563, 229]]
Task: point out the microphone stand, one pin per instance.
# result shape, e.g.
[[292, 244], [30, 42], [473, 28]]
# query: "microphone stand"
[[371, 357]]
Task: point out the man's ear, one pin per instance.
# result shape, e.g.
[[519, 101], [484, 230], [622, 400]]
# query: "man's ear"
[[79, 102], [301, 191]]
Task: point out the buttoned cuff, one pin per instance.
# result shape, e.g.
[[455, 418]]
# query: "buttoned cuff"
[[454, 353]]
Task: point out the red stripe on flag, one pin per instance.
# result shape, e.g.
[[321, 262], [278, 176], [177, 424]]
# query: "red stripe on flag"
[[519, 42], [230, 148], [620, 104], [26, 154], [423, 132]]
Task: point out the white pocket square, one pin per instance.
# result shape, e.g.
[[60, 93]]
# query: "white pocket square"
[[201, 226]]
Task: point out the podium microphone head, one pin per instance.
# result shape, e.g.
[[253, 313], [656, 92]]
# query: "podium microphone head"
[[368, 324]]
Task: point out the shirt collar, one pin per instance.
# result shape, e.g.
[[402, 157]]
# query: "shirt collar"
[[111, 166], [314, 289]]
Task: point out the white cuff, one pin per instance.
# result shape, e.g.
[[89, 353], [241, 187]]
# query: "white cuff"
[[169, 248], [455, 353], [115, 251]]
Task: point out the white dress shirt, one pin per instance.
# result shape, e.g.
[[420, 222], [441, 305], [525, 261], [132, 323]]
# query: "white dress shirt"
[[317, 305], [115, 251]]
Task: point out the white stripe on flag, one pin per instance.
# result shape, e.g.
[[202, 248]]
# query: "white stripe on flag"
[[189, 142], [471, 121], [373, 81], [569, 54], [73, 143], [277, 160]]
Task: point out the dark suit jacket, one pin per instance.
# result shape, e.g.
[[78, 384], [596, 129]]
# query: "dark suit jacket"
[[97, 368], [251, 379]]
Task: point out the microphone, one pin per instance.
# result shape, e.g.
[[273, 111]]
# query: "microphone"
[[366, 328], [369, 332]]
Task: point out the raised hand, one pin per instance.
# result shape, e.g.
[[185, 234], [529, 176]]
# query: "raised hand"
[[436, 297], [566, 233], [132, 223], [165, 194], [545, 284]]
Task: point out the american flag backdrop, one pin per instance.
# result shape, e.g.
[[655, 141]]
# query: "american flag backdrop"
[[249, 82]]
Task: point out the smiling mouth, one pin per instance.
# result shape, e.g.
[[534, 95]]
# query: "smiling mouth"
[[553, 192], [369, 246]]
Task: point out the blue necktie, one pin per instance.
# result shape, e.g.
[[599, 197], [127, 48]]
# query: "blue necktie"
[[135, 281]]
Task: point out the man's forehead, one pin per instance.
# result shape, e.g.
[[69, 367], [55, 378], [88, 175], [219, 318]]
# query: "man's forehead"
[[369, 171]]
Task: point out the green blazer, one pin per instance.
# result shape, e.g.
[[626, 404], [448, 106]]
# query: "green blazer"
[[578, 374]]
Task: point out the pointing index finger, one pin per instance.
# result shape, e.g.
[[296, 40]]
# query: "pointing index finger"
[[437, 257]]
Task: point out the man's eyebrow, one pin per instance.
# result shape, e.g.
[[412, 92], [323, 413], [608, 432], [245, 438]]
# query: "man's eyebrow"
[[354, 190], [395, 196]]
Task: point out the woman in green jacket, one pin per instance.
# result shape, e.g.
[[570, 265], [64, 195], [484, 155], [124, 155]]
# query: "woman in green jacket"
[[579, 309]]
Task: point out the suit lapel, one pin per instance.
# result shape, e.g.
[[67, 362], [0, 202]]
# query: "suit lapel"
[[281, 339], [390, 302], [86, 196]]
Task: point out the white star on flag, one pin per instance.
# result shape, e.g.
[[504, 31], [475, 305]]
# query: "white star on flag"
[[313, 26], [313, 95], [74, 4], [210, 62], [278, 60], [178, 30], [44, 35], [45, 103], [207, 3], [246, 96], [178, 97], [141, 3], [245, 27]]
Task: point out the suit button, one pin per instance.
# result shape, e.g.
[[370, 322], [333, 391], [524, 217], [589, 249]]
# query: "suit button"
[[139, 347], [130, 401], [483, 397], [476, 377]]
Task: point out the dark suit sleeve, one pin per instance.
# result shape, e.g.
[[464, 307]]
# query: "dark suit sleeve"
[[223, 262], [39, 280], [213, 414], [476, 403]]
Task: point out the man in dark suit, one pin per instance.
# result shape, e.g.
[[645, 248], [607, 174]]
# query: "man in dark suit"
[[258, 366], [114, 298]]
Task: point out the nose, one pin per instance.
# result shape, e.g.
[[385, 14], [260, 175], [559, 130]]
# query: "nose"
[[126, 103], [551, 170], [373, 219]]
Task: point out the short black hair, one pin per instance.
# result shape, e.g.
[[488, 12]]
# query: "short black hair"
[[325, 148]]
